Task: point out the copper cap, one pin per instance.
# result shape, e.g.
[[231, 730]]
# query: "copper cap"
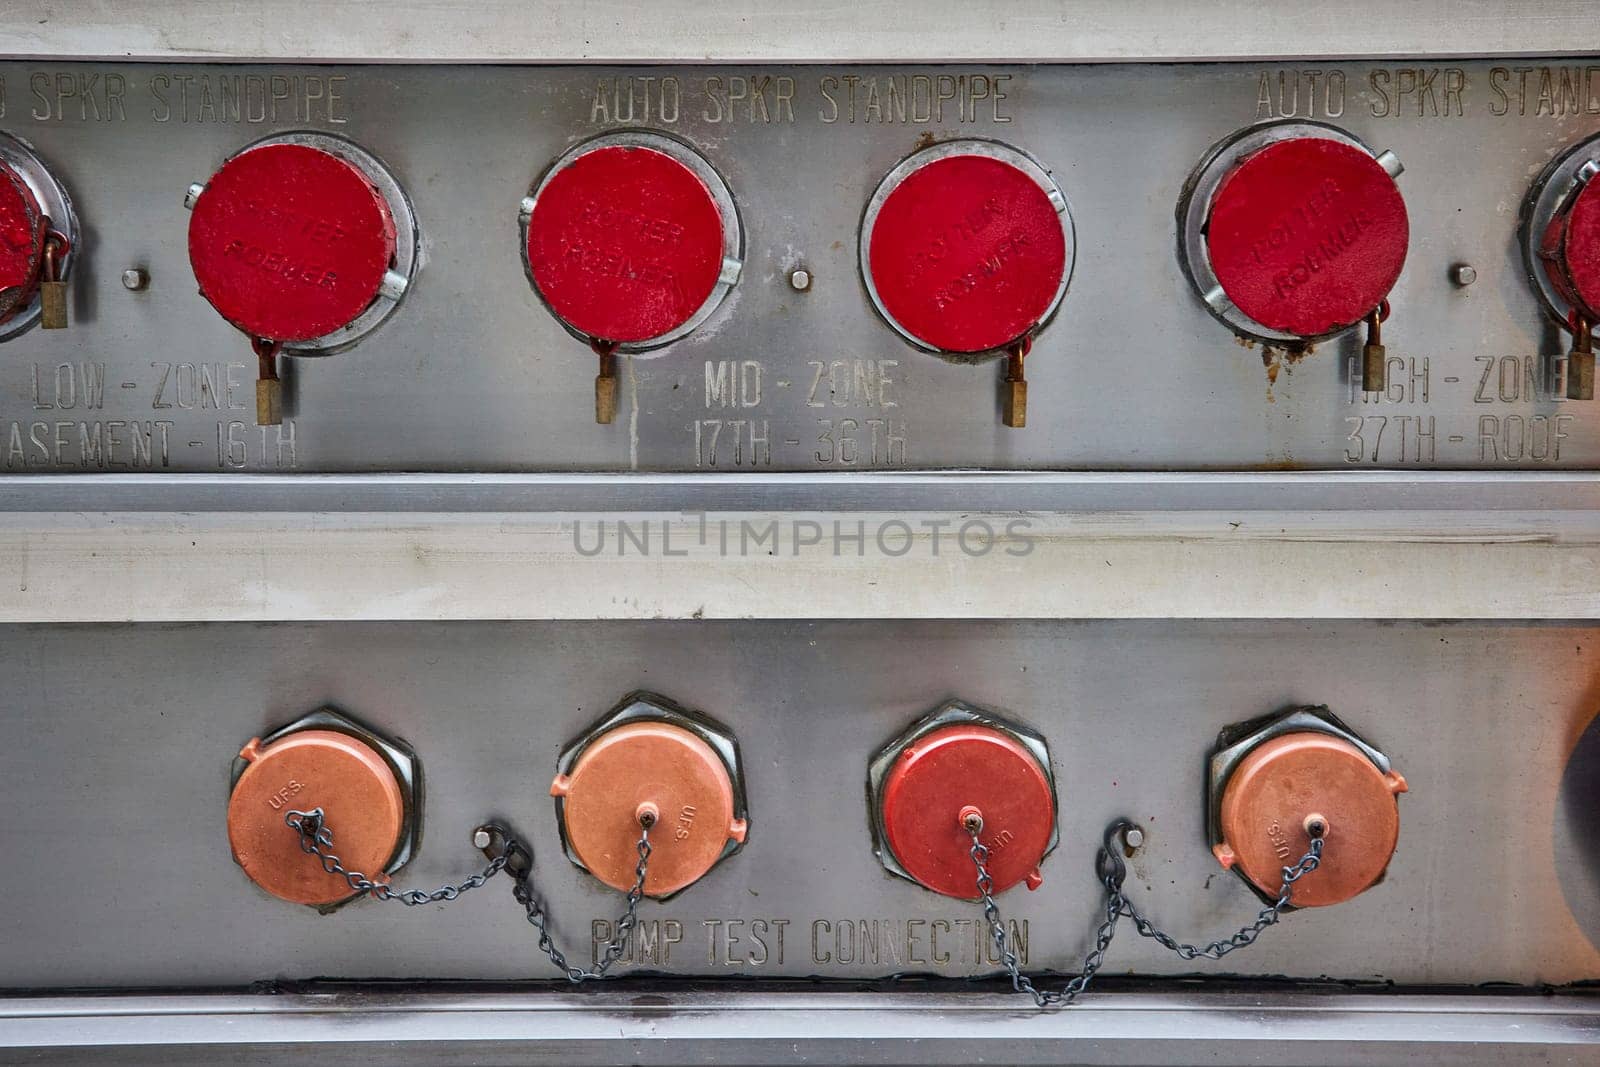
[[1281, 783], [656, 767], [347, 779]]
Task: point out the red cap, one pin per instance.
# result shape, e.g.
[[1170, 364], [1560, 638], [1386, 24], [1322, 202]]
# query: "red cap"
[[967, 253], [1307, 236], [1570, 251], [22, 236], [625, 243], [942, 774], [290, 242]]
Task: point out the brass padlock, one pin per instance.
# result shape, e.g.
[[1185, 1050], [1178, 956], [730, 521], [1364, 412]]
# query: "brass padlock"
[[605, 383], [1580, 362], [1374, 357], [269, 389], [1014, 407], [52, 290], [269, 402]]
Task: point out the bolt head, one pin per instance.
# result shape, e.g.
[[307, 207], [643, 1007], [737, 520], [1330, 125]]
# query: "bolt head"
[[135, 279], [1463, 274], [481, 838], [800, 279], [1133, 837]]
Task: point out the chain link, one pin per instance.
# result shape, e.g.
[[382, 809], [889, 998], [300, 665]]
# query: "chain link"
[[1112, 873], [1020, 982], [1247, 935], [316, 839], [522, 889]]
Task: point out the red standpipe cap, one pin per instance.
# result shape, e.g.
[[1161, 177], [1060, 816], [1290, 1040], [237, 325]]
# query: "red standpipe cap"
[[1282, 782], [625, 244], [937, 778], [967, 254], [290, 242], [1307, 236], [1570, 251], [22, 237], [648, 766], [347, 779]]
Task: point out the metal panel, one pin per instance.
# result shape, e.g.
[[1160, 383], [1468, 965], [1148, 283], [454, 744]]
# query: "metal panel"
[[88, 567], [472, 373], [625, 1026], [722, 31], [116, 743]]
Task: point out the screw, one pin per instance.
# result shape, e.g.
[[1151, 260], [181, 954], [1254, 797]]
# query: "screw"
[[134, 279], [1133, 837], [800, 280], [1316, 825], [481, 838], [1463, 274], [972, 819]]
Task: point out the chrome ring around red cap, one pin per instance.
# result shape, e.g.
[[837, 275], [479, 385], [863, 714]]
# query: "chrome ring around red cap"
[[1307, 235], [967, 247], [631, 239], [291, 242]]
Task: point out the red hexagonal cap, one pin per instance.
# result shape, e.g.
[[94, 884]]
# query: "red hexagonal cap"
[[625, 243], [1307, 235], [290, 242], [967, 253], [944, 772]]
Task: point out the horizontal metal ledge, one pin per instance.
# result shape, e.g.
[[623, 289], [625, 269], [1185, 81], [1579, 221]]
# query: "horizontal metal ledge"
[[948, 491], [698, 31], [226, 566], [630, 1026]]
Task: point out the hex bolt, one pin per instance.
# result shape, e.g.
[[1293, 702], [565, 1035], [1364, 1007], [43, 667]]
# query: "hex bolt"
[[481, 837], [135, 279], [1133, 837], [1463, 274], [800, 280]]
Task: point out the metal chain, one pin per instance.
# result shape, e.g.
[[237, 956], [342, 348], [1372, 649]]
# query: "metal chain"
[[1020, 982], [316, 839], [1113, 872], [1268, 916], [506, 854], [521, 866]]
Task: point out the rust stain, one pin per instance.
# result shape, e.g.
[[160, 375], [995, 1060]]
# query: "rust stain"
[[927, 140]]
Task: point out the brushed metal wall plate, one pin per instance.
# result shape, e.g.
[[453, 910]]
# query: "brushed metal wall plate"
[[116, 742], [473, 374]]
